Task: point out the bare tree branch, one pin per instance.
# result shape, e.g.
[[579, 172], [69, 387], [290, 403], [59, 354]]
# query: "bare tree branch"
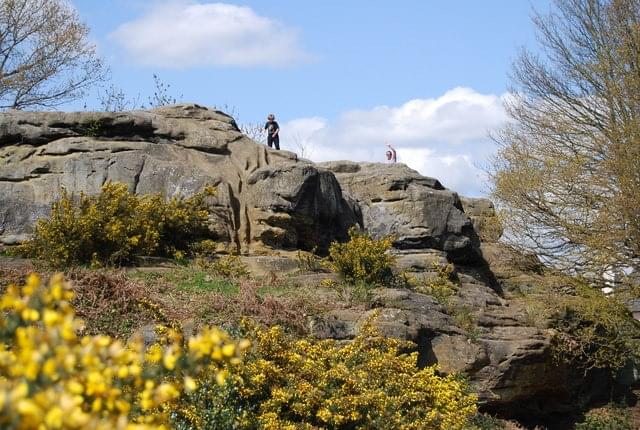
[[45, 58]]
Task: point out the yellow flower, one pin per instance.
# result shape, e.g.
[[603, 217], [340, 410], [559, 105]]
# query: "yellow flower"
[[190, 384], [221, 377], [92, 381], [229, 350], [30, 315], [169, 360], [154, 354], [166, 392]]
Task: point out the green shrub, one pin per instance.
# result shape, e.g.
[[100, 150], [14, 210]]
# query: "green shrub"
[[6, 251], [228, 266], [594, 330], [362, 259], [464, 318], [204, 249], [609, 418], [211, 406], [442, 286], [351, 294], [115, 226], [486, 422]]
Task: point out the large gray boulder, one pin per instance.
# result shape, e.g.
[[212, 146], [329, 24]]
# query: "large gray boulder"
[[266, 199], [416, 210]]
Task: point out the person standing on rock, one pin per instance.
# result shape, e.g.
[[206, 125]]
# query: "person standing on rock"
[[391, 154], [273, 130]]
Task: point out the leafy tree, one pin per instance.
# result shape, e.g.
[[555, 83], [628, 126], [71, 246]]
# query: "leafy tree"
[[45, 57], [568, 170]]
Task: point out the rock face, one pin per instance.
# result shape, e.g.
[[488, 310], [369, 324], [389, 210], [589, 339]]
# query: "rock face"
[[270, 200], [266, 199], [476, 331], [484, 218], [417, 210]]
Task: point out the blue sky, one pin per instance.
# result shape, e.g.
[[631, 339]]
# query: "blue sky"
[[342, 77]]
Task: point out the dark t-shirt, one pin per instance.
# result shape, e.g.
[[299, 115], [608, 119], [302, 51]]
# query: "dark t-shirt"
[[272, 126]]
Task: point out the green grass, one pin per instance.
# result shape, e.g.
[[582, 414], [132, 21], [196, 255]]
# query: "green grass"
[[201, 281], [7, 252], [190, 279]]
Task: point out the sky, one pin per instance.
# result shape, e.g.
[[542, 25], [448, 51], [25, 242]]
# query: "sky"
[[342, 77]]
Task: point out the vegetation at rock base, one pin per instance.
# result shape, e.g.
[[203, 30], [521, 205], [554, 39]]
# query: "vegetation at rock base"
[[200, 296], [593, 330], [362, 260], [52, 377], [568, 172], [609, 418], [442, 286], [289, 383], [115, 226], [227, 266], [596, 331]]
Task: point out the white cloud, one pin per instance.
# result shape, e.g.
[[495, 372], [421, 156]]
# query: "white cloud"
[[444, 137], [184, 33]]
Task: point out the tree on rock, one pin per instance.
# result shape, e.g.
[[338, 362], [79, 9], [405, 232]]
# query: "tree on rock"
[[45, 57], [568, 170]]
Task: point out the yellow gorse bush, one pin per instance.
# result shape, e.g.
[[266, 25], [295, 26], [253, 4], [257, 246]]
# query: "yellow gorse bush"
[[53, 378], [116, 225], [362, 259], [368, 383]]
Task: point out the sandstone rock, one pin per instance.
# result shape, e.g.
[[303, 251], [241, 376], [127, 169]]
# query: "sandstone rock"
[[484, 218], [266, 199], [477, 331], [457, 354], [311, 279], [263, 265], [419, 260], [514, 271], [396, 200]]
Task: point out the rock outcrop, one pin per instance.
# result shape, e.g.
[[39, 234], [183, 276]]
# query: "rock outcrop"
[[476, 331], [418, 211], [266, 199], [270, 201]]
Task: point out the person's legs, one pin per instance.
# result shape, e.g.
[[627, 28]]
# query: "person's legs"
[[270, 141], [276, 141]]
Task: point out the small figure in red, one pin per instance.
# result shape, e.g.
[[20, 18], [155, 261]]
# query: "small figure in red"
[[391, 154]]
